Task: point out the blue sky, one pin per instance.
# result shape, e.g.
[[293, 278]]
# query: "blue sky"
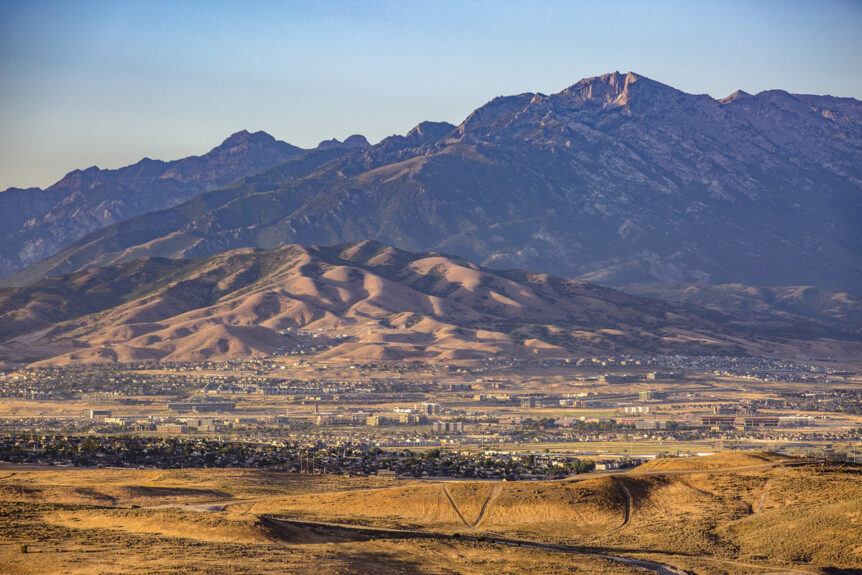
[[107, 83]]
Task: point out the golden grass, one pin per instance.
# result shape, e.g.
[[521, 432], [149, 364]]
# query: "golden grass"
[[168, 541], [727, 514], [166, 522], [412, 505], [729, 459], [569, 512], [829, 534]]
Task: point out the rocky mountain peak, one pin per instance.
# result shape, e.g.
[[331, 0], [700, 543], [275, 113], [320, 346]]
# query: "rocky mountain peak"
[[430, 131], [77, 177], [607, 88], [354, 141], [738, 95], [245, 138]]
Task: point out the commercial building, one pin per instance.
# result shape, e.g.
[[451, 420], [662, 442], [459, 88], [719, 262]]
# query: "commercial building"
[[636, 409], [719, 421], [407, 418], [99, 414], [172, 428], [324, 419], [531, 402], [448, 427], [430, 408], [647, 424], [761, 422]]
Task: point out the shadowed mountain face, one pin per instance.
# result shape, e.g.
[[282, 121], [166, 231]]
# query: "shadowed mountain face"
[[778, 310], [618, 179], [37, 223], [393, 304]]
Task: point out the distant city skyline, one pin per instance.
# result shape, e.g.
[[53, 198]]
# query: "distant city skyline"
[[108, 83]]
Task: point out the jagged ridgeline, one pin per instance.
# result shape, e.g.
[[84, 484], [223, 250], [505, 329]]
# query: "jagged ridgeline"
[[618, 179], [37, 223]]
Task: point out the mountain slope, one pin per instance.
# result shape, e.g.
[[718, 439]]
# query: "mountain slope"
[[391, 304], [37, 223], [618, 179], [793, 309]]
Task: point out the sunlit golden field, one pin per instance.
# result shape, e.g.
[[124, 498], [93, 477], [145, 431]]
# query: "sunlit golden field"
[[730, 513]]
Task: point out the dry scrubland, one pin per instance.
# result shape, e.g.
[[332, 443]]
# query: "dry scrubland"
[[725, 514], [393, 305]]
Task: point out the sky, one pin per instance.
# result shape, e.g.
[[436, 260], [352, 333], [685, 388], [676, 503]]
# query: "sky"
[[107, 83]]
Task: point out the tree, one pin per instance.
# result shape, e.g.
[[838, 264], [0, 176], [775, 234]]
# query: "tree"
[[431, 454], [90, 444]]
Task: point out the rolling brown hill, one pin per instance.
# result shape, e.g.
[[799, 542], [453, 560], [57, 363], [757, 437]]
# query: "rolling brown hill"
[[384, 303], [731, 513]]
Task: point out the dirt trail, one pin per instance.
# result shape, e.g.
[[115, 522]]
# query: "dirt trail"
[[628, 495], [761, 502], [455, 507], [495, 492]]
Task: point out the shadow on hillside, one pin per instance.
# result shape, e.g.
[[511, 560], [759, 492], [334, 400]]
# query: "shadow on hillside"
[[307, 533], [363, 562], [300, 532], [152, 491]]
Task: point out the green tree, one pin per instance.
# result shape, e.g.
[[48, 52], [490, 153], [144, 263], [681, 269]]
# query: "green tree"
[[90, 444]]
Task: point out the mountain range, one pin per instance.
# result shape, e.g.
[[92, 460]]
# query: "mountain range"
[[36, 223], [362, 300], [617, 179]]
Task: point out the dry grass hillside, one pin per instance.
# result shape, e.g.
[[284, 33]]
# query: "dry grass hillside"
[[725, 460], [392, 304], [726, 514]]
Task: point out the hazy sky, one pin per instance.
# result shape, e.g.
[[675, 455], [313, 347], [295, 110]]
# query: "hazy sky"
[[107, 83]]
